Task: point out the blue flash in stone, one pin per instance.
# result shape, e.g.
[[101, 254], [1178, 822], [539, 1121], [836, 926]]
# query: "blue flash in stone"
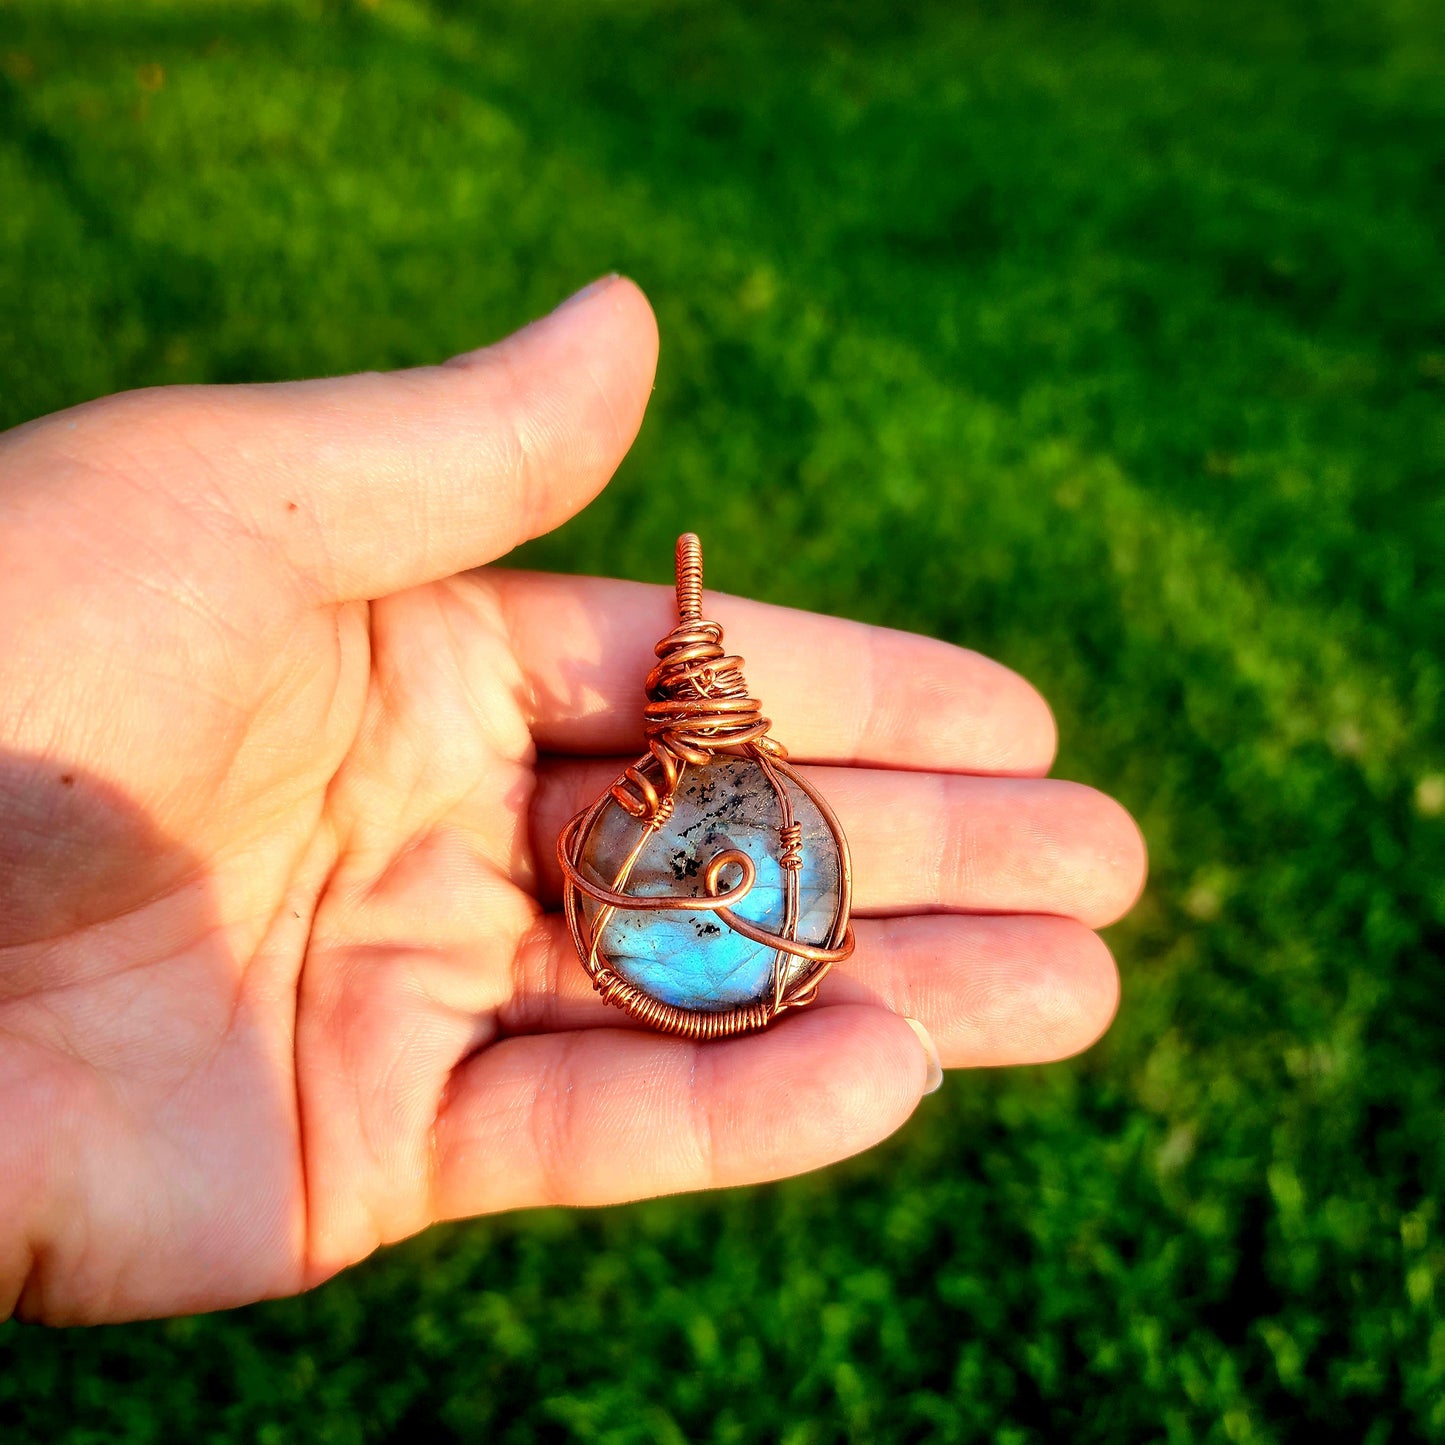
[[708, 889], [694, 960]]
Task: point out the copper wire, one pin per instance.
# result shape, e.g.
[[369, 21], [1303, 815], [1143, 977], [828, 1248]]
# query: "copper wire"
[[697, 700], [697, 708], [689, 577]]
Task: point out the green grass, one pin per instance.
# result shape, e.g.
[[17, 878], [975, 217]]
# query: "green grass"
[[1107, 338]]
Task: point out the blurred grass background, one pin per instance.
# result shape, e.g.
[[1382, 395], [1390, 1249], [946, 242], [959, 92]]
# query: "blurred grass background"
[[1108, 338]]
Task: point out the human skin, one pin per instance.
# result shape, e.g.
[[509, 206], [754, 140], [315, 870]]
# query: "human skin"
[[283, 975]]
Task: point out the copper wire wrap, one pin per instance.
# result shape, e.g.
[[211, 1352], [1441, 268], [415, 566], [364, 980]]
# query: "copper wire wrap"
[[697, 709], [697, 701]]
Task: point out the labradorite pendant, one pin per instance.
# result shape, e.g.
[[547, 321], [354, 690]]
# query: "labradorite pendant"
[[708, 889]]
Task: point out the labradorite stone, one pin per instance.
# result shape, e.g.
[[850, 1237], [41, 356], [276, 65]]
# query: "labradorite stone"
[[693, 959]]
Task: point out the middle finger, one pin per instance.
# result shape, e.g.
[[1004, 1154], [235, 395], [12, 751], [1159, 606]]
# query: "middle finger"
[[927, 842]]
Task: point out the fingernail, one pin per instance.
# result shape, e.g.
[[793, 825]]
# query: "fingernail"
[[590, 289], [930, 1052]]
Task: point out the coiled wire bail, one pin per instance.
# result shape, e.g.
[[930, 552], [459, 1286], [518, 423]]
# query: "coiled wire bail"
[[697, 699]]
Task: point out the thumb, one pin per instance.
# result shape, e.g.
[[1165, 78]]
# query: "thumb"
[[381, 481]]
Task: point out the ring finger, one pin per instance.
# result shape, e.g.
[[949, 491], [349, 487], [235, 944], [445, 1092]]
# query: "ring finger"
[[996, 990]]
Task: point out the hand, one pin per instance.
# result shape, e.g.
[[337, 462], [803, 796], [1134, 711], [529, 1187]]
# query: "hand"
[[282, 975]]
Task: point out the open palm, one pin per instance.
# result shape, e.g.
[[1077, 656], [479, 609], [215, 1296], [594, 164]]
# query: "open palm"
[[282, 972]]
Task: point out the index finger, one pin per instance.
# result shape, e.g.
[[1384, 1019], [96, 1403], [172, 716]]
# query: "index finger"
[[837, 691]]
